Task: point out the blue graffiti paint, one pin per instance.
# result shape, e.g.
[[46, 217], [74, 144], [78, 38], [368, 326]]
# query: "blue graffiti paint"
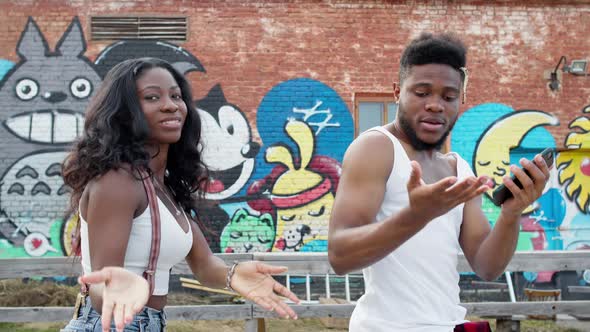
[[580, 233], [5, 66], [550, 216], [307, 100]]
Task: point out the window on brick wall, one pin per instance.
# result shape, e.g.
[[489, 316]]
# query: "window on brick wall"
[[172, 28], [372, 109]]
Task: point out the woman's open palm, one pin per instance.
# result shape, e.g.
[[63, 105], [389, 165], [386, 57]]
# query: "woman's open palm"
[[253, 281], [124, 294]]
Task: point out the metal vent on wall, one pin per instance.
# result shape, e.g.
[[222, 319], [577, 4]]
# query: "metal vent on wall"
[[139, 27]]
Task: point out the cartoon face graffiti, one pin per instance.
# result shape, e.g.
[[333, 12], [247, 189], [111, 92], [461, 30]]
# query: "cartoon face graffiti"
[[45, 94], [228, 149], [492, 154], [574, 166], [301, 225], [294, 237], [33, 194], [301, 195], [248, 233]]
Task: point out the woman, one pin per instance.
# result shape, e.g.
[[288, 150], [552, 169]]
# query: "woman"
[[141, 133]]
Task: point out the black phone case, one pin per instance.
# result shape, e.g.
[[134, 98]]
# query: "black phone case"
[[501, 194]]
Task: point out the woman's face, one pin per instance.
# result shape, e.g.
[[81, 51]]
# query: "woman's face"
[[161, 101]]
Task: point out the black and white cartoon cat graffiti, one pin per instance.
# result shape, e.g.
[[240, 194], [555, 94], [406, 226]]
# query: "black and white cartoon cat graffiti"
[[42, 103], [229, 152]]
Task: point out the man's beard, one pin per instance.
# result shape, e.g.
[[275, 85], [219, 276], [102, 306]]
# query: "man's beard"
[[416, 142]]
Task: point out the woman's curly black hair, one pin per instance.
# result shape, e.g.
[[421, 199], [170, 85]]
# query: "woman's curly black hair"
[[116, 131]]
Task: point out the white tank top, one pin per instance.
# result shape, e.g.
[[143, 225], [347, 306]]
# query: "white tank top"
[[175, 245], [414, 288]]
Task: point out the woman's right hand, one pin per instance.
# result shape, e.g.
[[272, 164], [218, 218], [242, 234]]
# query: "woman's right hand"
[[124, 294]]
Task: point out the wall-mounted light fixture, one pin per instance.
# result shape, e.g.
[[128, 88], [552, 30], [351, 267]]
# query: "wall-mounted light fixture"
[[577, 67]]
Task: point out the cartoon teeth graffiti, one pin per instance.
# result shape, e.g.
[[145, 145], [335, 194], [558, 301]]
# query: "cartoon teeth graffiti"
[[301, 192], [228, 149], [492, 153], [247, 233], [32, 197], [45, 94], [574, 166]]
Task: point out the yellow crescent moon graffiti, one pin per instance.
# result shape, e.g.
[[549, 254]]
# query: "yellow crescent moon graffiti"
[[492, 153]]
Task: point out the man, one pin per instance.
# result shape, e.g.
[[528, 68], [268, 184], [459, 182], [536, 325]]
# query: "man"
[[403, 210]]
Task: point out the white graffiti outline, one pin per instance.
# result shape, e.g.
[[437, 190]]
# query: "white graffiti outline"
[[309, 112]]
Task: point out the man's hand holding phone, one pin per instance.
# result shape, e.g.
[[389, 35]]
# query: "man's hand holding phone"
[[526, 184]]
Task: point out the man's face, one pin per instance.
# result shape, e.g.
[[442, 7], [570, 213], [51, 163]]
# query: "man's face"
[[429, 104]]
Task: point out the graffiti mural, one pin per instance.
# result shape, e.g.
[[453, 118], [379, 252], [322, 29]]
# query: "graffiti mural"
[[300, 195], [493, 136], [228, 152], [248, 233], [297, 174], [44, 96], [574, 166]]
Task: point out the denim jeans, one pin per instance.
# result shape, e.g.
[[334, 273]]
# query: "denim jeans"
[[88, 320]]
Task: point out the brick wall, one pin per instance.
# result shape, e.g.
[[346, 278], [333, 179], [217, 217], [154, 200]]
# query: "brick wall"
[[269, 61]]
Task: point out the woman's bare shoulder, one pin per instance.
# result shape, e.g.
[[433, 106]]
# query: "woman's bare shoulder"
[[120, 182]]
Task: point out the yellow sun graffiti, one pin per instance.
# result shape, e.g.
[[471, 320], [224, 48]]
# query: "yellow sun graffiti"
[[574, 166]]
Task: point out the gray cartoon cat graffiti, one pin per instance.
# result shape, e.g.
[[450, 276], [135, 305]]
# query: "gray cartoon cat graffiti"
[[32, 197], [44, 96], [42, 103]]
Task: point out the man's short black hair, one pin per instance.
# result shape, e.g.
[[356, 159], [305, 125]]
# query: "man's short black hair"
[[446, 49]]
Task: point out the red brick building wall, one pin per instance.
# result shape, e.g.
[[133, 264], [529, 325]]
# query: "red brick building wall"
[[340, 48]]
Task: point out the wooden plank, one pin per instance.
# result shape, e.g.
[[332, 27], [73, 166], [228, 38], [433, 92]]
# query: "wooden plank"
[[209, 312], [64, 314], [499, 309], [310, 310], [41, 267], [247, 311], [298, 263], [535, 261], [481, 309], [36, 314], [579, 289]]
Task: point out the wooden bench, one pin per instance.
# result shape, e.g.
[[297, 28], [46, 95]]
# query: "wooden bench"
[[507, 314]]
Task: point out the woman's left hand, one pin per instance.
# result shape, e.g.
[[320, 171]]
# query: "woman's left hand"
[[253, 281]]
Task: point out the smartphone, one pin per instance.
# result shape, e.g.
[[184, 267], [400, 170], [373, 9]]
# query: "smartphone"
[[501, 194]]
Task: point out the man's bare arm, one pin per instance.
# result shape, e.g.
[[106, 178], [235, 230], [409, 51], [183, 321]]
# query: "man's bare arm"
[[489, 251]]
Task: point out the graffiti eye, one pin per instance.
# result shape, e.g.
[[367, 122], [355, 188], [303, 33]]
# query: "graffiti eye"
[[507, 163], [317, 214], [288, 218], [27, 89], [80, 88], [483, 163], [16, 188], [263, 239], [235, 235], [230, 129]]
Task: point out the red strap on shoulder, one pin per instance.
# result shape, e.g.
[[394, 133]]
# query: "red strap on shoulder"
[[150, 271]]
